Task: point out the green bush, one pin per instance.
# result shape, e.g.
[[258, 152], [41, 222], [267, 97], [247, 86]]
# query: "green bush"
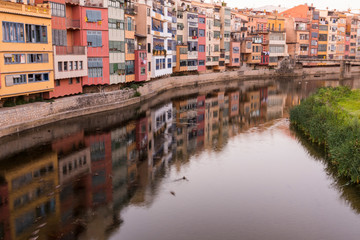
[[327, 118]]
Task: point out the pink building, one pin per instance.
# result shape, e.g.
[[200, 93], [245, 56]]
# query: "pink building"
[[202, 43], [140, 65], [234, 103], [94, 34], [234, 54]]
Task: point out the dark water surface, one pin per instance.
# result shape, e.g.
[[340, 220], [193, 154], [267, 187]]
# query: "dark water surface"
[[218, 162]]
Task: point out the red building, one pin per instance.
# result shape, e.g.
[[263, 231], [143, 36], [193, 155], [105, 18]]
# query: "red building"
[[202, 42], [70, 58], [101, 168], [140, 65], [94, 34]]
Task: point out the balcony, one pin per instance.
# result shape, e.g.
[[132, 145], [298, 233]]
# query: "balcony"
[[73, 2], [131, 10], [71, 50], [70, 62], [243, 29], [72, 24]]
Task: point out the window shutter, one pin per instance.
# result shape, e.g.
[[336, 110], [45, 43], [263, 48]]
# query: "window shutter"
[[45, 57], [100, 39], [9, 81]]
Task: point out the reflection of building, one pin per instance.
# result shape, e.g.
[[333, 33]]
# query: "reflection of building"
[[74, 157], [101, 168], [212, 118], [161, 122], [4, 210], [31, 182], [275, 104]]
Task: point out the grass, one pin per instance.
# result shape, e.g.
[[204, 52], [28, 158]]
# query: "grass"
[[331, 118], [351, 103]]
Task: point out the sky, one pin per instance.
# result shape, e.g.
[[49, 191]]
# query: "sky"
[[320, 4]]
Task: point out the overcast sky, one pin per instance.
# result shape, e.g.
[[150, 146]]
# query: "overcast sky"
[[320, 4]]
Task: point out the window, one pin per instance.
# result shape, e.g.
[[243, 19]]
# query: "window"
[[95, 67], [130, 45], [15, 79], [77, 80], [57, 9], [57, 83], [313, 43], [70, 65], [201, 48], [142, 70], [60, 66], [94, 38], [117, 68], [201, 62], [322, 47], [93, 16], [169, 63], [201, 20], [201, 33], [13, 32], [116, 24], [116, 46], [70, 81], [59, 37], [80, 65], [14, 58], [116, 3], [65, 66], [36, 33], [129, 24], [75, 65], [314, 35], [304, 37], [322, 37], [216, 48], [38, 58], [129, 67], [38, 77], [192, 46]]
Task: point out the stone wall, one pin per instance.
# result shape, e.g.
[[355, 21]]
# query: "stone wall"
[[27, 116]]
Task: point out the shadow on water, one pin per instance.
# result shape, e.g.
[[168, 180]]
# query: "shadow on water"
[[349, 193], [73, 179]]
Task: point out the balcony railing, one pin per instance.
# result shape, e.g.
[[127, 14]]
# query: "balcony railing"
[[76, 2], [70, 50], [140, 47], [131, 10], [70, 23]]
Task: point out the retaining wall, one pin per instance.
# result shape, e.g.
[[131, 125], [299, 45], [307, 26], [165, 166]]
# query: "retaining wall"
[[19, 118]]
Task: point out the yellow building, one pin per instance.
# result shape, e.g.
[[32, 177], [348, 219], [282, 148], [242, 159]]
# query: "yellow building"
[[33, 198], [277, 39], [26, 66]]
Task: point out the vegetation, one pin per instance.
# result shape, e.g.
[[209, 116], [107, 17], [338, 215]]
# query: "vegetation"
[[331, 118]]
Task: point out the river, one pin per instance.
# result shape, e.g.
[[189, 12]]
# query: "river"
[[216, 162]]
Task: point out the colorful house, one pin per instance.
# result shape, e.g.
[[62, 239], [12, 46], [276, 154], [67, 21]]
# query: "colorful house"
[[26, 51]]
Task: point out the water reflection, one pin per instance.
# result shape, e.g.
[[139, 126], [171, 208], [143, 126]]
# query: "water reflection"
[[76, 185]]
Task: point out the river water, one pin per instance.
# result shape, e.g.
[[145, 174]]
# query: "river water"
[[216, 162]]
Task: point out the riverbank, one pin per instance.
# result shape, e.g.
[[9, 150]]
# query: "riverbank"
[[23, 117], [331, 118]]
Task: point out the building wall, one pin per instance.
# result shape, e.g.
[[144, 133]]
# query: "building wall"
[[96, 52], [117, 57], [10, 12]]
